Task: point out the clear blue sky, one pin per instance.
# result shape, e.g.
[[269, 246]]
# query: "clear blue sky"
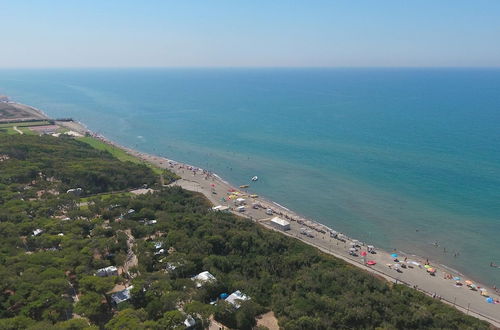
[[111, 33]]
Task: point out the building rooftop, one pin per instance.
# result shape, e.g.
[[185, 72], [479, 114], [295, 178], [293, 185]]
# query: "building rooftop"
[[122, 296], [279, 221], [202, 278], [236, 298]]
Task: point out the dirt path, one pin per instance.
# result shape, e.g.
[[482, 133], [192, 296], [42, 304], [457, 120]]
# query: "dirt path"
[[18, 130], [268, 320], [132, 260]]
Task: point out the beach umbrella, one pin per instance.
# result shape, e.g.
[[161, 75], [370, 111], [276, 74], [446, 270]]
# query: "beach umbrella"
[[484, 293], [456, 278], [394, 255], [490, 300], [431, 270], [371, 262], [427, 266], [468, 282], [363, 253]]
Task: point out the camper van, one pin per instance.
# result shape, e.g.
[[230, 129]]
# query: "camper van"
[[240, 201]]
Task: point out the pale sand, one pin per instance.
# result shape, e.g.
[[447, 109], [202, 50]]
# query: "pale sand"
[[213, 187], [268, 320]]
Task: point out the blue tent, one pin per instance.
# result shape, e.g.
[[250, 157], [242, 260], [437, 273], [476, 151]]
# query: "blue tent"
[[394, 255], [489, 300], [223, 295]]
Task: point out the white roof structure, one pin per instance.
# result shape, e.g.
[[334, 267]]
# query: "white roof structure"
[[37, 232], [236, 298], [189, 321], [240, 200], [281, 222], [220, 208], [122, 296], [203, 277], [107, 271]]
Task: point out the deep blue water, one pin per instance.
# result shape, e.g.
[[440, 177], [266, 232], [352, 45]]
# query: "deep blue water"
[[375, 153]]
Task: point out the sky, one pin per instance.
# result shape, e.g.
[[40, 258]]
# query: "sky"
[[256, 33]]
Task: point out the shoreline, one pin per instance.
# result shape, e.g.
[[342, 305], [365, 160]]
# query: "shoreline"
[[199, 180], [196, 179]]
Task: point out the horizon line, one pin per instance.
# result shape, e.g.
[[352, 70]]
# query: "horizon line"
[[249, 67]]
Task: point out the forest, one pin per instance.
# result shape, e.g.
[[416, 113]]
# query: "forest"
[[53, 243]]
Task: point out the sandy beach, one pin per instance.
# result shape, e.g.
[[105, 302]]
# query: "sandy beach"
[[445, 284]]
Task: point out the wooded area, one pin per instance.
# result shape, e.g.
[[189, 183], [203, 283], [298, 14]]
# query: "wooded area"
[[48, 279]]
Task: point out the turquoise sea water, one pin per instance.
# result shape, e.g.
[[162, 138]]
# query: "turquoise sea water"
[[401, 158]]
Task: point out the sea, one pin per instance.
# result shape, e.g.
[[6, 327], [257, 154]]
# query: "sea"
[[405, 159]]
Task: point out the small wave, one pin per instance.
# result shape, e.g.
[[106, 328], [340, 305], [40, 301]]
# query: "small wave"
[[281, 206]]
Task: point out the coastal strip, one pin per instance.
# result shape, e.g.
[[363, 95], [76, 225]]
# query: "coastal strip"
[[441, 284], [410, 270]]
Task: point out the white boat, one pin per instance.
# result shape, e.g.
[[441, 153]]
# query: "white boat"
[[255, 178]]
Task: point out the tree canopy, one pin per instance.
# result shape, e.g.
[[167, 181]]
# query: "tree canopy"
[[48, 278]]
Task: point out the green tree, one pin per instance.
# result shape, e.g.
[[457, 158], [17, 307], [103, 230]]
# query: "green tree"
[[93, 306], [128, 319], [74, 324], [97, 284], [172, 320]]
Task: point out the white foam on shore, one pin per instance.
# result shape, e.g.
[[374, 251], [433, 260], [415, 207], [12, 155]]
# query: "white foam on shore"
[[285, 208], [221, 179], [31, 107]]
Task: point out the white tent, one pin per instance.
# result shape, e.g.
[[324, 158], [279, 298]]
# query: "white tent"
[[236, 298], [202, 278]]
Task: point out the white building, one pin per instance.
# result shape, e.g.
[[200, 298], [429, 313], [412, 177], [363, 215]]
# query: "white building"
[[107, 271], [236, 298], [37, 232], [279, 223], [220, 208], [202, 278]]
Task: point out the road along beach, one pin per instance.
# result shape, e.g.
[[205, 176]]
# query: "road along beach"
[[433, 279]]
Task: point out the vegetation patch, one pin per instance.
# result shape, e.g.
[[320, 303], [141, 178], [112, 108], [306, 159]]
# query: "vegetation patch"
[[54, 245], [117, 152]]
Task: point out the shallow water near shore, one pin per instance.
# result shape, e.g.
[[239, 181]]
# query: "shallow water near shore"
[[401, 158]]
